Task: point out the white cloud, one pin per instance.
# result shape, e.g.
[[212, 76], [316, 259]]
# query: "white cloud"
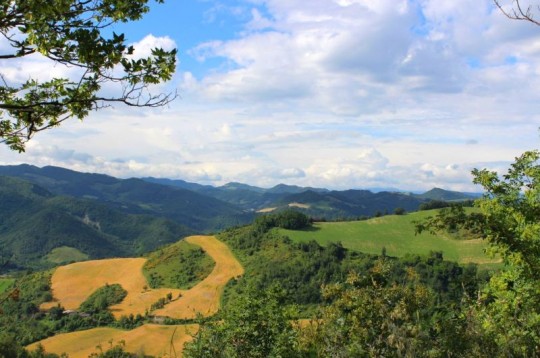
[[341, 94]]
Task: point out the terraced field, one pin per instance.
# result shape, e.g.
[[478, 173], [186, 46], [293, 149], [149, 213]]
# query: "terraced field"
[[72, 284]]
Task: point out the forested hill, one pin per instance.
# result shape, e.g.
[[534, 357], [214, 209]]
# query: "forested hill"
[[186, 207], [317, 202], [206, 208], [34, 222]]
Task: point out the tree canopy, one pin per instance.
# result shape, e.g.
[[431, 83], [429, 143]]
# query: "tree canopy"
[[75, 34]]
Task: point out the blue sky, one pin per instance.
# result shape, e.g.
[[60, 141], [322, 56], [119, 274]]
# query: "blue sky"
[[329, 93]]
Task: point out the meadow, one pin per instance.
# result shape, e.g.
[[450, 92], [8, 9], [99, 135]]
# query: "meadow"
[[5, 283], [396, 235], [64, 254]]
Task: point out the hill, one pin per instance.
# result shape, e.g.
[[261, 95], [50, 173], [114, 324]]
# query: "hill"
[[394, 234], [318, 202], [446, 195], [36, 223], [136, 196]]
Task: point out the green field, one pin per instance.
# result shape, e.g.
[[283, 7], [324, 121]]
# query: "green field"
[[396, 234], [181, 265], [5, 283], [65, 254]]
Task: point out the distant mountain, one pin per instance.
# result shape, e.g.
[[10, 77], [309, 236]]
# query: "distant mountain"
[[34, 221], [187, 207], [322, 202], [348, 203], [446, 195], [179, 184], [208, 208], [293, 189]]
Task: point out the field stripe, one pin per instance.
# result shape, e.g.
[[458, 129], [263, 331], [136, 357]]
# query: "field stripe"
[[150, 339], [204, 298]]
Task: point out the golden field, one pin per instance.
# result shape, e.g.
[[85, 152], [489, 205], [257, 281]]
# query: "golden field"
[[72, 284], [150, 339]]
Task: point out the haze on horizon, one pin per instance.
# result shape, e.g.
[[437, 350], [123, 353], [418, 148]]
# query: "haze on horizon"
[[336, 94]]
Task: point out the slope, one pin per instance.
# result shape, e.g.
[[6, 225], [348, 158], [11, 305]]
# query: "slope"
[[136, 196], [33, 222], [394, 234]]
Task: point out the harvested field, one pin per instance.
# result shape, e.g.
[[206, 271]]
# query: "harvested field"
[[266, 210], [299, 205], [149, 339], [204, 297], [72, 284]]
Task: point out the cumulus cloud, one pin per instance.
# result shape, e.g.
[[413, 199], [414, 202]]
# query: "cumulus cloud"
[[338, 94]]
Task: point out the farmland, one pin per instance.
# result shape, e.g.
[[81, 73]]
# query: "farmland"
[[395, 234], [149, 339], [72, 284], [204, 298], [65, 254]]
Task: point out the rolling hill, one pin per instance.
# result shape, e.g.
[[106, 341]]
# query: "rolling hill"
[[316, 202], [395, 235], [199, 212], [34, 222]]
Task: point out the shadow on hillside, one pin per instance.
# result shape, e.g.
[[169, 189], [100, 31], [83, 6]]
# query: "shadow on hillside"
[[311, 229]]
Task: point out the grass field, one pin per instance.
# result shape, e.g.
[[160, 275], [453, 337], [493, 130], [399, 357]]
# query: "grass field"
[[65, 254], [205, 297], [149, 339], [5, 283], [396, 234], [181, 265]]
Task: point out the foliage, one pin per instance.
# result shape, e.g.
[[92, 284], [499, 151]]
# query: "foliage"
[[510, 313], [20, 317], [103, 298], [74, 34], [453, 219], [300, 269], [180, 265], [114, 351], [257, 325], [509, 307], [367, 317], [287, 219]]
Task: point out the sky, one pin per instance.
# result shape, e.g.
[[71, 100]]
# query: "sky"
[[341, 94]]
